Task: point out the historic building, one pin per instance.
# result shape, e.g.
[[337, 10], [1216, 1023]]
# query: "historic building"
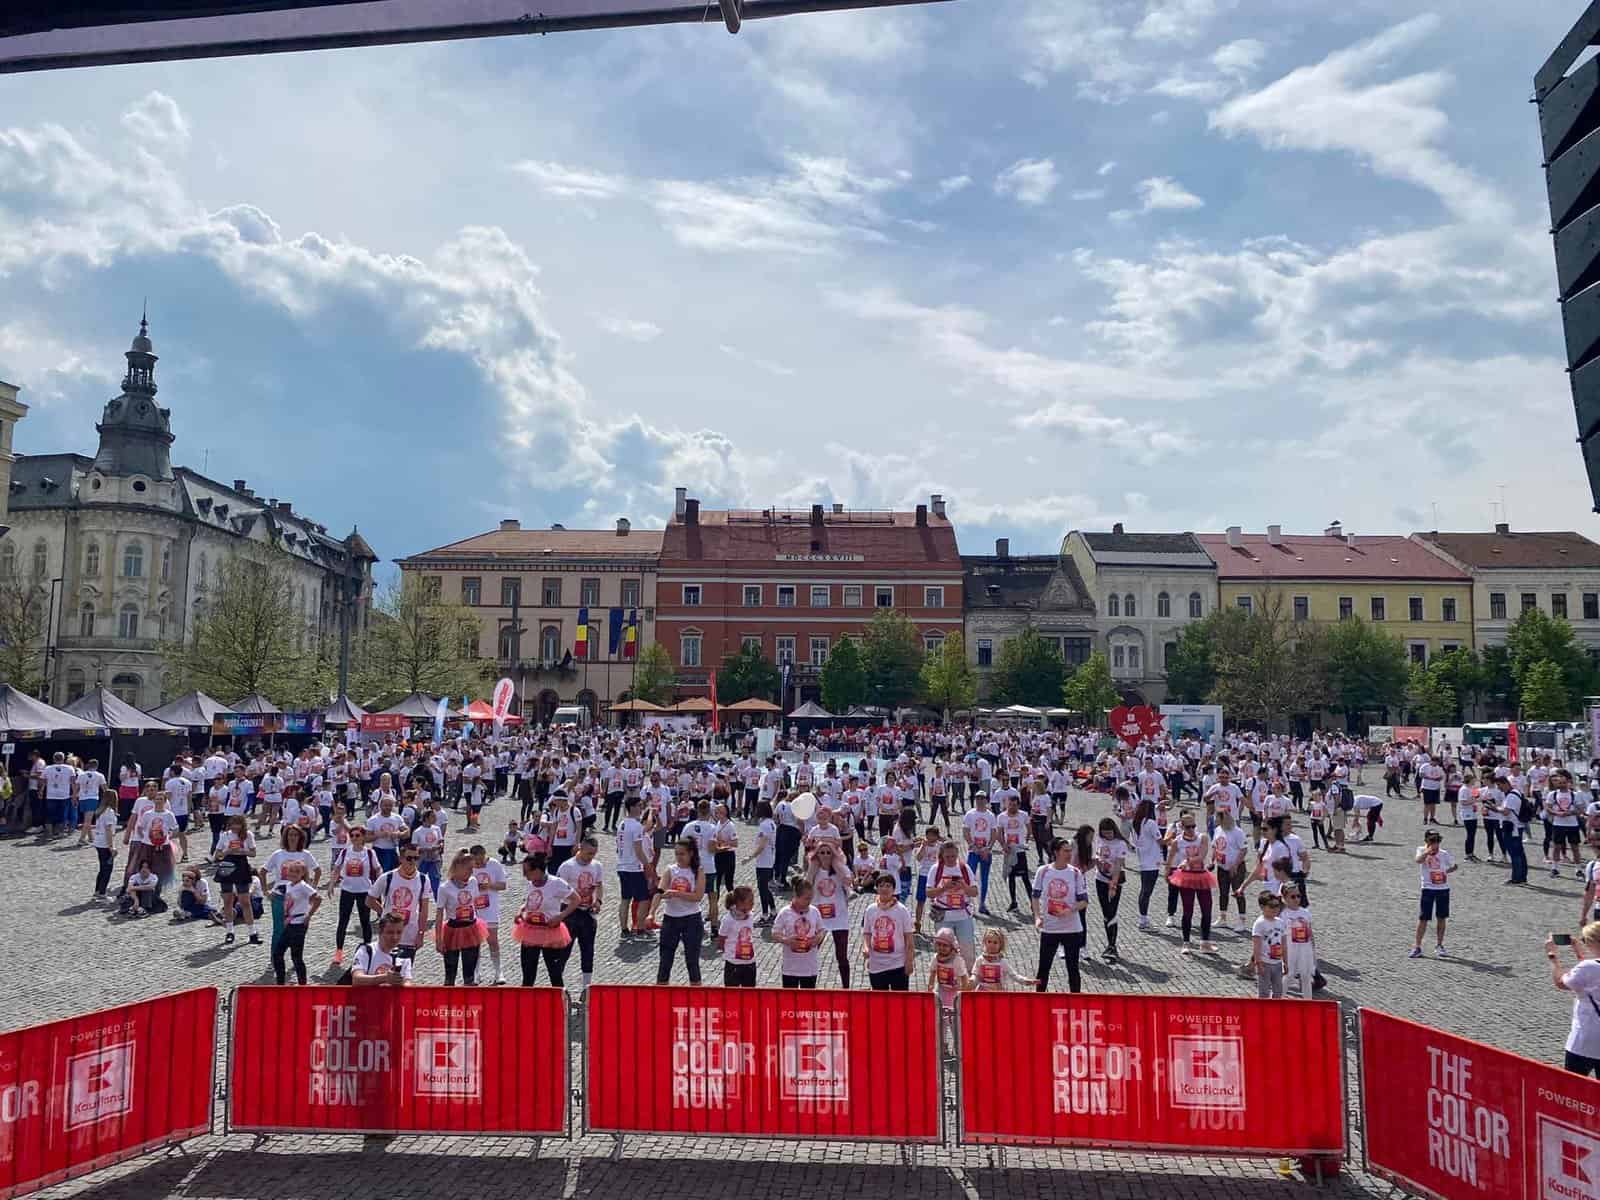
[[126, 546], [1005, 594], [531, 587], [1145, 588], [1389, 580], [12, 410], [794, 582]]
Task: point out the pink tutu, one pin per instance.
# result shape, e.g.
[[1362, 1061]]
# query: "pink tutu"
[[1193, 880], [544, 937], [460, 937]]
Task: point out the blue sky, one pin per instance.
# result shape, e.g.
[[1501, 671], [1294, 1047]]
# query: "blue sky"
[[1178, 263]]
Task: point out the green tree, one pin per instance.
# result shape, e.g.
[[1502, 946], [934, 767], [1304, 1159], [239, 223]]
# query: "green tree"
[[654, 676], [24, 615], [1029, 670], [1431, 698], [1461, 671], [948, 682], [1535, 637], [891, 655], [747, 675], [844, 677], [1367, 668], [1544, 692], [1090, 690], [1268, 667], [1191, 667], [416, 643], [1499, 685]]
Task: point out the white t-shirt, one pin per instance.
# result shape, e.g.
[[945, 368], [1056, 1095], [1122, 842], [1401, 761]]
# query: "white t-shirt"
[[488, 901], [806, 926], [979, 825], [1147, 841], [58, 781], [1584, 982], [297, 898], [629, 838], [584, 879], [1058, 890], [767, 857], [544, 902], [357, 871], [372, 959], [887, 932], [738, 936], [677, 882], [383, 832], [404, 896], [156, 829], [1270, 931], [831, 901], [1435, 870], [277, 877], [1297, 930], [105, 828]]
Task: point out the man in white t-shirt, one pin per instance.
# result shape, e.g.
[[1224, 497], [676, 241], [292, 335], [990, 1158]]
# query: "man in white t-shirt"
[[59, 783]]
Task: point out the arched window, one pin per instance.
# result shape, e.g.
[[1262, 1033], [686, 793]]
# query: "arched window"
[[1133, 658], [86, 621], [1113, 606], [133, 561], [41, 557], [166, 563], [1163, 605], [550, 643], [75, 684], [91, 559], [128, 621], [126, 688], [1127, 606], [8, 560], [508, 642], [1195, 608]]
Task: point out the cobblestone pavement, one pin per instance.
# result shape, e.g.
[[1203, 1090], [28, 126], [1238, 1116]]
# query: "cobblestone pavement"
[[66, 954]]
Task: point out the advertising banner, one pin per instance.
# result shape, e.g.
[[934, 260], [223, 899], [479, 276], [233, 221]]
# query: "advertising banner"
[[397, 1060], [764, 1062], [385, 723], [1411, 733], [83, 1093], [1180, 1073], [1202, 720], [1455, 1119], [245, 724]]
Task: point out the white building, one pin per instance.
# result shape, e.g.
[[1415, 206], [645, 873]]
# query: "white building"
[[1145, 588], [126, 546], [12, 410]]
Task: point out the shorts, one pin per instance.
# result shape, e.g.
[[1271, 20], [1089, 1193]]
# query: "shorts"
[[1565, 835], [183, 822], [659, 839], [1435, 903], [634, 886]]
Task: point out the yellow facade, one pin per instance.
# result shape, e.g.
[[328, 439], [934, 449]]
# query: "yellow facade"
[[1328, 601]]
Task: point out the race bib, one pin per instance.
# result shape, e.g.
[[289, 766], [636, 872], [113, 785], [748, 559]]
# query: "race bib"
[[1300, 933], [826, 910], [744, 948], [883, 936], [1436, 877], [464, 911], [480, 901], [1274, 952], [355, 870]]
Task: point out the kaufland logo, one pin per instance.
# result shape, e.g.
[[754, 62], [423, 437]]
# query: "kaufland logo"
[[1569, 1162], [816, 1066], [99, 1084], [449, 1063], [1207, 1072]]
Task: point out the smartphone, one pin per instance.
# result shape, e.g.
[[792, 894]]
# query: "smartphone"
[[1561, 939]]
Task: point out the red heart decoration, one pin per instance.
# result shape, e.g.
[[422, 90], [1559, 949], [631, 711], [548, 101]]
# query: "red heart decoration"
[[1133, 724]]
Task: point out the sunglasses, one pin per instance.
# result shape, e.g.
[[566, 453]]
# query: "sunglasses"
[[410, 858]]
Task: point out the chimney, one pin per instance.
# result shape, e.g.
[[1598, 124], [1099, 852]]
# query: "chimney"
[[1502, 527], [816, 516], [691, 512], [1235, 536], [922, 516], [285, 507], [623, 527], [838, 507], [1349, 539], [681, 495], [1334, 530], [1116, 527], [273, 502], [510, 525], [936, 503], [1274, 535], [1002, 547], [238, 485]]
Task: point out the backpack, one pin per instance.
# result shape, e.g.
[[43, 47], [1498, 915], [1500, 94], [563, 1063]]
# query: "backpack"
[[1527, 810]]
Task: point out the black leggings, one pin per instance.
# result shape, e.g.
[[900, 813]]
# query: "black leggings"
[[1147, 888], [582, 926], [1189, 895], [764, 890], [357, 901], [1110, 904], [1472, 835], [841, 953], [293, 939], [102, 878], [555, 962], [1018, 870], [690, 931], [1231, 881], [467, 959], [1071, 945]]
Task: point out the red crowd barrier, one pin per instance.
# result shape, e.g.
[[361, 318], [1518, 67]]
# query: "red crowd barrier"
[[1183, 1073], [763, 1062], [83, 1093], [397, 1060], [1458, 1120]]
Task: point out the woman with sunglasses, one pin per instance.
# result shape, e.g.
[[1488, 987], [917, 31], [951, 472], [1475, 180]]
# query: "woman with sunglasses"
[[355, 870], [407, 892], [1188, 876], [831, 883]]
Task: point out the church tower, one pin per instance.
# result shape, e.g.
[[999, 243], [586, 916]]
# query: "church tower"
[[135, 433]]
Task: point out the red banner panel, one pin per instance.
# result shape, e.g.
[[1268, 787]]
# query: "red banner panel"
[[86, 1092], [1459, 1120], [764, 1062], [397, 1060], [1215, 1076]]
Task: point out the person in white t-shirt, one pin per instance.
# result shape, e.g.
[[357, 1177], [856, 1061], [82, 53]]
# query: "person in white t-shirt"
[[587, 880], [380, 963], [1583, 980], [1437, 865], [736, 938], [1060, 897], [300, 902], [798, 929], [886, 938], [1267, 949]]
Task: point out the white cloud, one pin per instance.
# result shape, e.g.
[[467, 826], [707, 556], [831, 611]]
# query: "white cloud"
[[1106, 168], [1239, 59], [1177, 20], [634, 331], [579, 183], [157, 118], [1182, 87], [1089, 194], [954, 184], [1394, 125], [1030, 181], [756, 361], [1163, 194]]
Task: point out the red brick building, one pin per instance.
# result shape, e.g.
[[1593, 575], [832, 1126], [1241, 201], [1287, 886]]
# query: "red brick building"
[[794, 582]]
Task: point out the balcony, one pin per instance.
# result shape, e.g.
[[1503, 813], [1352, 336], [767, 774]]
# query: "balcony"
[[109, 644]]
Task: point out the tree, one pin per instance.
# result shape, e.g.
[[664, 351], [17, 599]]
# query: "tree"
[[1089, 689], [1191, 667], [1498, 682], [948, 683], [249, 638], [1367, 668], [891, 655], [1029, 670], [416, 643], [1544, 692], [24, 616], [1465, 676], [1269, 668], [1430, 696], [654, 676], [746, 675], [844, 678], [1535, 637]]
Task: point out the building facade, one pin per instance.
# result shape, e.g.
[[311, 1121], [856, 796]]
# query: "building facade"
[[529, 588], [793, 583], [1392, 581], [126, 546], [1006, 594], [1145, 588], [12, 410], [1556, 573]]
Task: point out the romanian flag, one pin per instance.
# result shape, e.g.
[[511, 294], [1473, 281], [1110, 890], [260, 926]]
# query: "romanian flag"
[[580, 648], [630, 635]]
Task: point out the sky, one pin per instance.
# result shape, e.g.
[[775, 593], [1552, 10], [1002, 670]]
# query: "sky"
[[1182, 264]]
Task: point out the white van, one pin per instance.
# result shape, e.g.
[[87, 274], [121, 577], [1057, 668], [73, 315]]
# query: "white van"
[[575, 715]]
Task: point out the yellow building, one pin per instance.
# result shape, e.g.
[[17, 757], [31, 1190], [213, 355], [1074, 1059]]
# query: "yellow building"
[[1388, 580]]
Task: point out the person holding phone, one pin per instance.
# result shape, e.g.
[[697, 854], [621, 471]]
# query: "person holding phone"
[[1437, 864], [377, 962], [1583, 980]]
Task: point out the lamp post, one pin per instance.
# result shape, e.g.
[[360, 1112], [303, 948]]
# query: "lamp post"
[[50, 638]]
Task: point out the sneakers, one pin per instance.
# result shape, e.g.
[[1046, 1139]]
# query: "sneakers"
[[338, 956], [1187, 950], [1208, 947], [255, 939], [1172, 922], [1439, 952], [499, 978], [1555, 872], [228, 941], [1416, 952], [1110, 955], [1144, 922]]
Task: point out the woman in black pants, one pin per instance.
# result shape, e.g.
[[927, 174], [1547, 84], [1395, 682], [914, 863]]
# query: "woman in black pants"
[[357, 869], [1147, 845], [1110, 852], [683, 887], [766, 852], [540, 926], [1060, 896]]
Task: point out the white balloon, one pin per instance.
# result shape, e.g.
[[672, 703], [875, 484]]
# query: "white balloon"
[[804, 806]]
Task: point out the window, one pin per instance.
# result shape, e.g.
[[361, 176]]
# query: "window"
[[785, 595], [1497, 606], [883, 596], [1113, 605], [1447, 609], [41, 556], [550, 593], [506, 644], [689, 648], [133, 561], [128, 622], [166, 563], [1243, 602], [1414, 609], [1377, 608], [752, 595], [510, 591], [933, 643], [751, 642], [1118, 655], [1530, 601], [1418, 652], [821, 595], [1558, 604], [469, 645], [933, 597], [1196, 606], [1591, 606], [472, 590], [1133, 658], [691, 595], [126, 688], [1168, 652], [430, 589], [550, 643], [1446, 647], [1163, 605], [1076, 650], [1302, 608], [985, 652], [785, 650], [86, 621], [75, 685], [852, 595], [819, 651], [1128, 609], [630, 593], [589, 593]]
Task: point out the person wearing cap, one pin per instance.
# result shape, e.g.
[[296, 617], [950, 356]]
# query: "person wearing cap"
[[1437, 866]]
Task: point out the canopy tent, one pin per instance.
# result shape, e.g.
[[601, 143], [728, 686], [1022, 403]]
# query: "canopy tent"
[[1021, 710], [478, 710], [638, 706], [255, 702], [21, 716], [343, 711], [418, 706], [104, 707], [696, 704], [193, 711], [752, 705], [811, 711]]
